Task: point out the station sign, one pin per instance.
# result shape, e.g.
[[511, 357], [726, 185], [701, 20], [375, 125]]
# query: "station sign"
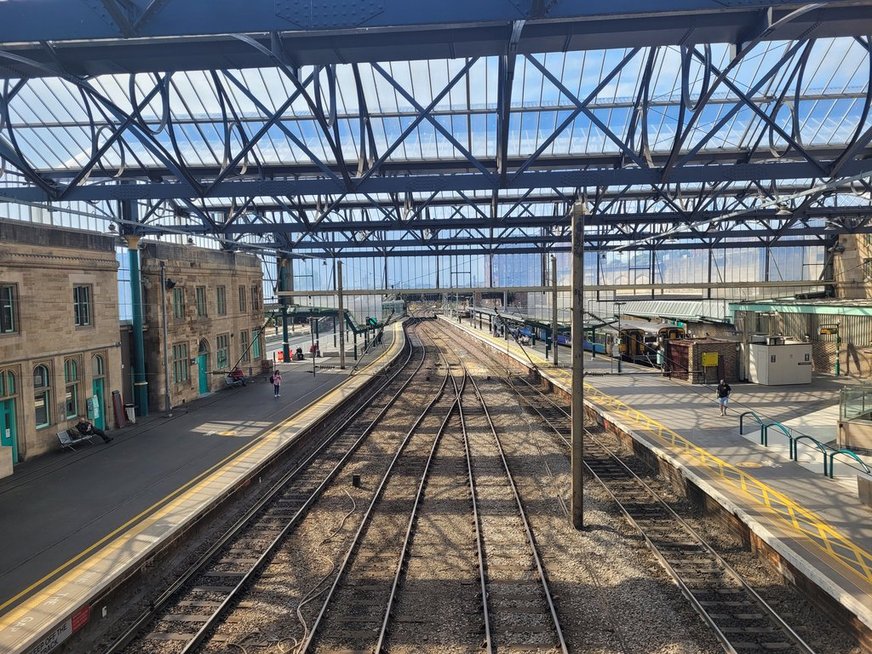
[[710, 359], [828, 330]]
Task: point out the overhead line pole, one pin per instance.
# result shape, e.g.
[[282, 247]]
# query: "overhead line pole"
[[341, 308], [577, 369]]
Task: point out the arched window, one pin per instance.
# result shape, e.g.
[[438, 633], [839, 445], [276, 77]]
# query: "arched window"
[[42, 396], [98, 366], [71, 382], [7, 383]]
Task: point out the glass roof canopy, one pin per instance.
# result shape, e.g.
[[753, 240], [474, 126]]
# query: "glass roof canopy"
[[54, 125], [668, 146]]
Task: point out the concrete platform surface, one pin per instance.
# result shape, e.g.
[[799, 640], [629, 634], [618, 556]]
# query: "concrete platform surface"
[[816, 523]]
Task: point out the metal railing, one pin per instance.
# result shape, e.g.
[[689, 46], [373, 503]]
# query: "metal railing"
[[794, 438]]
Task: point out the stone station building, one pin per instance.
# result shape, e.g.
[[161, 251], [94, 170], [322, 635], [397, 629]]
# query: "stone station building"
[[213, 305], [59, 347]]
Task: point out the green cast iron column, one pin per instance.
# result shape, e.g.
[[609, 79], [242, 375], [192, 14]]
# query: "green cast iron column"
[[140, 382], [285, 278]]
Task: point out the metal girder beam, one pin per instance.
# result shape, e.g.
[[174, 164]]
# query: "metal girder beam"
[[426, 183], [543, 197], [563, 288], [593, 240], [611, 222], [418, 251], [389, 168], [395, 29]]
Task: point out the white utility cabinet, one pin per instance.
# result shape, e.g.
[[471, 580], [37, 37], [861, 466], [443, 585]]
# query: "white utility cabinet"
[[778, 365]]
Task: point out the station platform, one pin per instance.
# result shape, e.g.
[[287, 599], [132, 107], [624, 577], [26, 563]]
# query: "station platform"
[[76, 523], [815, 523]]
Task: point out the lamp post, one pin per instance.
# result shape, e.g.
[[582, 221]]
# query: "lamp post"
[[313, 322], [554, 309], [341, 313], [618, 306]]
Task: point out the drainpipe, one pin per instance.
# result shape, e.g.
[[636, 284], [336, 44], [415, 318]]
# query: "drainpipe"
[[168, 406]]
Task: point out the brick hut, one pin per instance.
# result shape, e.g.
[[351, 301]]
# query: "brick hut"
[[702, 360]]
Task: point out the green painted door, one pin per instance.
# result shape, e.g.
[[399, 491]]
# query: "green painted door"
[[99, 419], [203, 370], [8, 436]]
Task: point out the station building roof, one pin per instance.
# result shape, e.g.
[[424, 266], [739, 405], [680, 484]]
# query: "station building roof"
[[823, 306]]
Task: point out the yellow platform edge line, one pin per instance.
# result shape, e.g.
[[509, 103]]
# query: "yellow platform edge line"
[[769, 498], [156, 512], [860, 564]]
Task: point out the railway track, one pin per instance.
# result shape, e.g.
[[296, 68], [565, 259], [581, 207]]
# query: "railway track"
[[360, 610], [740, 619], [186, 613], [356, 609], [519, 610], [378, 595]]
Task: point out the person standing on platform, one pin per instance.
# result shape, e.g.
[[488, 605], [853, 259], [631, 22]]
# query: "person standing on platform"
[[276, 380], [724, 391], [86, 428]]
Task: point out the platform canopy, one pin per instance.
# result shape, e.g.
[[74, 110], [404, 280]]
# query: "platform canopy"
[[397, 128]]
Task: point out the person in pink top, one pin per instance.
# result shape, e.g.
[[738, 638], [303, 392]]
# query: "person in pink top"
[[276, 380]]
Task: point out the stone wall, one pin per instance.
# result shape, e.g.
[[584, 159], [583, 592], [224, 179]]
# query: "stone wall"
[[852, 266], [42, 265], [189, 268]]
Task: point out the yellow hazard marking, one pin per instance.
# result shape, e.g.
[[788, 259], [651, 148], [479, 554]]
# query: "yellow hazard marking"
[[827, 538], [788, 512]]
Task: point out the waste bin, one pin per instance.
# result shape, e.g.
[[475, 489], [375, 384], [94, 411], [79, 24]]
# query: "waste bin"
[[130, 411]]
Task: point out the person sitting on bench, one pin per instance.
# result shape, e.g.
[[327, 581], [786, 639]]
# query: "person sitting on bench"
[[88, 429]]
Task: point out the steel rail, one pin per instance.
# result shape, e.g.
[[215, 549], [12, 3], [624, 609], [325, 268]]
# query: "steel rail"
[[479, 540], [248, 517], [364, 523], [778, 621], [531, 540], [414, 515]]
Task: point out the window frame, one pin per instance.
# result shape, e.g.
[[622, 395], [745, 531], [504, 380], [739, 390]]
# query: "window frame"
[[243, 346], [71, 388], [8, 384], [256, 350], [178, 303], [221, 299], [44, 392], [255, 299], [181, 364], [225, 351], [10, 309], [243, 302], [200, 301], [80, 306]]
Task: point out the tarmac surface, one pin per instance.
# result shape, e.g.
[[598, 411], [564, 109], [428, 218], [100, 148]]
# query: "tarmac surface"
[[62, 503]]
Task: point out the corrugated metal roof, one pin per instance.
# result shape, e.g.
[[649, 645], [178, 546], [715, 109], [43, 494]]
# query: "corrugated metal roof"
[[685, 310]]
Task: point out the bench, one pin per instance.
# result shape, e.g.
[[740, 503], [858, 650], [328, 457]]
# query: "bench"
[[69, 441]]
